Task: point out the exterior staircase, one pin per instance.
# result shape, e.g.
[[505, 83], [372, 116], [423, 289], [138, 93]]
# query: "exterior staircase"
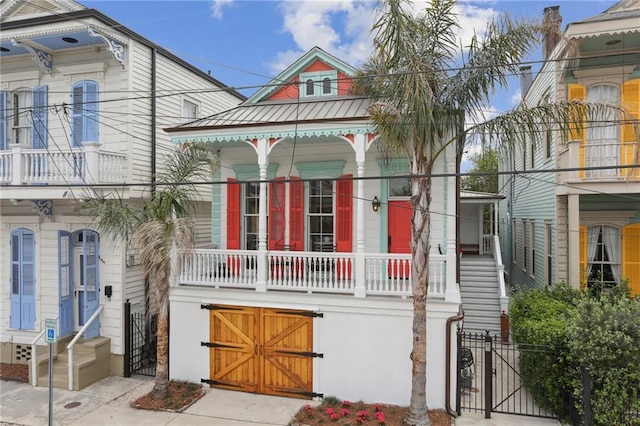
[[480, 294], [91, 362]]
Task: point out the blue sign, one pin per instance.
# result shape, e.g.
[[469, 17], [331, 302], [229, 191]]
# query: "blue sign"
[[50, 330]]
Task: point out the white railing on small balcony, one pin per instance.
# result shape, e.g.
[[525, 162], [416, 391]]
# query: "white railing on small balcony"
[[21, 165], [497, 255], [311, 271], [385, 274], [217, 268], [487, 241]]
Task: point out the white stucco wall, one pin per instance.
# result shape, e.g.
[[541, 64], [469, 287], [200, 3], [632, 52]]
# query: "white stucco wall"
[[365, 342]]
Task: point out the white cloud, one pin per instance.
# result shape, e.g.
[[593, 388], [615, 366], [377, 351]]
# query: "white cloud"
[[342, 27], [217, 6], [516, 98]]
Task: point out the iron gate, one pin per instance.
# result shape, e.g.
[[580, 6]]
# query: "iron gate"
[[140, 343], [489, 378]]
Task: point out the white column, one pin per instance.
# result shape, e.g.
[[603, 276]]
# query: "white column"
[[451, 291], [92, 166], [17, 164], [573, 237], [360, 267], [263, 163]]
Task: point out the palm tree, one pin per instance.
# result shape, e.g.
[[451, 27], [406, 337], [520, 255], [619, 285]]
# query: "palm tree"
[[423, 87], [159, 228]]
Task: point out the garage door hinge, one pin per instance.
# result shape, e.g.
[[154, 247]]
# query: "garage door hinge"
[[303, 313], [218, 307], [218, 345], [216, 382], [307, 354], [304, 393]]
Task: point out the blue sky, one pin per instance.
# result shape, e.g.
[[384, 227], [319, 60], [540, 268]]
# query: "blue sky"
[[244, 43]]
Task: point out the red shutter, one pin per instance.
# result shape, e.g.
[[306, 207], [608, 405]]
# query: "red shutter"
[[344, 213], [296, 214], [276, 214], [233, 214]]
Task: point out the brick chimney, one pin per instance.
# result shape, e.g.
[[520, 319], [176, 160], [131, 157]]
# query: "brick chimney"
[[526, 78], [551, 22]]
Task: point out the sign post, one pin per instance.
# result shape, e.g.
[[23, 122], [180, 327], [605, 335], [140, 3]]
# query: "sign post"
[[50, 326]]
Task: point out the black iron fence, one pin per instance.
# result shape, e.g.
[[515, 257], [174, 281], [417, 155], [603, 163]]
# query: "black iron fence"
[[140, 343], [489, 378]]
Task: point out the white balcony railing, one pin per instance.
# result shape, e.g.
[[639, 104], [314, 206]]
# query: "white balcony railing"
[[385, 274], [21, 166]]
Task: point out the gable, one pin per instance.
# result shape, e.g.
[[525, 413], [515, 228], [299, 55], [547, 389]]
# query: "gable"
[[316, 64], [13, 10]]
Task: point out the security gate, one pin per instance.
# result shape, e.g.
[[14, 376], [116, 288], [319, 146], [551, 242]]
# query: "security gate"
[[140, 343], [489, 378], [261, 350]]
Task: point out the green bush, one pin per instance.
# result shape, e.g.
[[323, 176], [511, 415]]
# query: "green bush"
[[600, 330], [540, 318], [605, 335]]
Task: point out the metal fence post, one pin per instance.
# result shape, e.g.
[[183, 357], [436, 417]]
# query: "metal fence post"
[[586, 395], [488, 376], [127, 339]]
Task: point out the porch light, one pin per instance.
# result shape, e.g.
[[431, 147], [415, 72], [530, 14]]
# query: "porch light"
[[375, 204]]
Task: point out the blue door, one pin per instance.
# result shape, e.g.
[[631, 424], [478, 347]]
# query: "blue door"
[[65, 283], [22, 280], [91, 299]]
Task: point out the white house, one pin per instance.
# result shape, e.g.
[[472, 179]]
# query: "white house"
[[305, 287], [77, 110]]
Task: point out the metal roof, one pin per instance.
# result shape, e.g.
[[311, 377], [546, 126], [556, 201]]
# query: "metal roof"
[[283, 112]]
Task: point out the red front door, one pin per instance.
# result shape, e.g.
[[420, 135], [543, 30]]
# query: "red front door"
[[399, 238]]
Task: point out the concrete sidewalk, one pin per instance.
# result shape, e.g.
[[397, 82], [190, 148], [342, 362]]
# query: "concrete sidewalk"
[[107, 403]]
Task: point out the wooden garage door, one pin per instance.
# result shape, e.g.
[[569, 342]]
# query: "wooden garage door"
[[261, 350]]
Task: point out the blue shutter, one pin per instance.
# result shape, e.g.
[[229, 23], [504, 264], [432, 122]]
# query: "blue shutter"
[[90, 249], [65, 282], [22, 280], [39, 117], [91, 111], [77, 119], [4, 114]]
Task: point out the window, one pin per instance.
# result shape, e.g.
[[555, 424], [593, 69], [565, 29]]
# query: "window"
[[525, 246], [602, 148], [513, 241], [84, 114], [532, 155], [549, 253], [320, 83], [190, 111], [24, 118], [603, 254], [399, 187], [22, 279], [532, 244], [320, 215], [251, 208]]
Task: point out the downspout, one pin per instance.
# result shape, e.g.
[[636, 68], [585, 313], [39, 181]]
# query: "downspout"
[[447, 390]]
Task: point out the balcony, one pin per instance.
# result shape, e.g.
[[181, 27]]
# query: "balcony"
[[602, 162], [87, 165], [360, 275]]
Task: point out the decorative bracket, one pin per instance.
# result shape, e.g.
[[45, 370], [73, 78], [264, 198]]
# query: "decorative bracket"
[[42, 58], [43, 207], [116, 49]]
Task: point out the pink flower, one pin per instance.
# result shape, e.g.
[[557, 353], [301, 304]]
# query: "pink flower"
[[377, 407], [335, 416], [329, 411], [345, 412], [380, 417], [346, 403]]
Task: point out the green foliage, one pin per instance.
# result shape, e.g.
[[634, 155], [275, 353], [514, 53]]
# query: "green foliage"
[[601, 331], [485, 164]]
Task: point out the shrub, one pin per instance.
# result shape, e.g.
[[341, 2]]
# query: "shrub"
[[604, 335]]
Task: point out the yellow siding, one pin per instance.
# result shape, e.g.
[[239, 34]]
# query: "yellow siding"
[[629, 149], [631, 256], [576, 125], [583, 256]]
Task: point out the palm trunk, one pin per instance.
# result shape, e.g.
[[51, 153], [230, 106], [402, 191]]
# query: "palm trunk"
[[161, 387], [421, 228]]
